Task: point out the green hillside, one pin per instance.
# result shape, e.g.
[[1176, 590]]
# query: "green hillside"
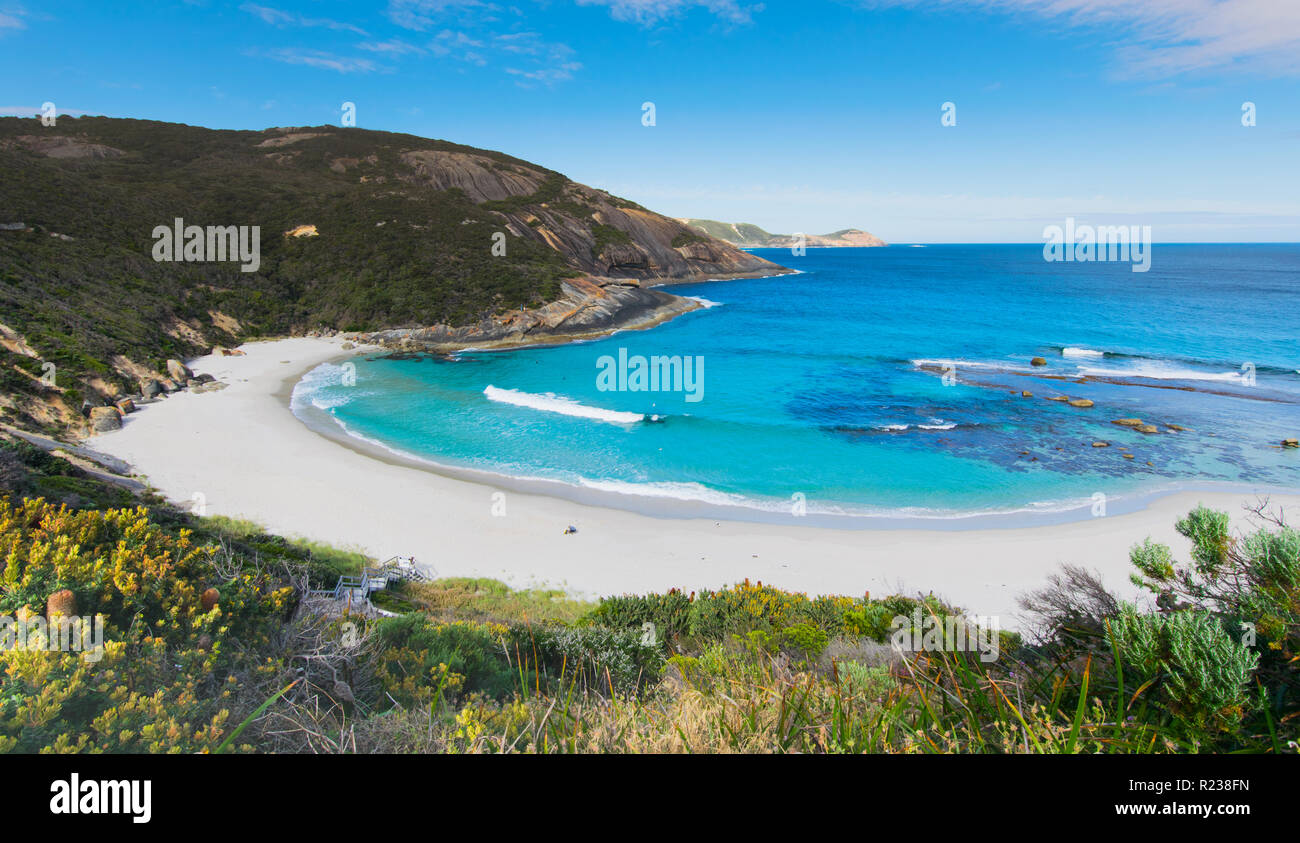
[[404, 235]]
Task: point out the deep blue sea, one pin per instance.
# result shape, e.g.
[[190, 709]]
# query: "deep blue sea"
[[883, 381]]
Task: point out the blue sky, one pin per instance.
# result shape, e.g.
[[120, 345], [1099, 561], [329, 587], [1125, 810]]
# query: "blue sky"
[[807, 117]]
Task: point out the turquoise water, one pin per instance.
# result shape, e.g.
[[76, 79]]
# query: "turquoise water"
[[883, 382]]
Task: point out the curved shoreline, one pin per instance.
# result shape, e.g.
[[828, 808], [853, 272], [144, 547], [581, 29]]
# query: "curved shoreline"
[[249, 456], [671, 507]]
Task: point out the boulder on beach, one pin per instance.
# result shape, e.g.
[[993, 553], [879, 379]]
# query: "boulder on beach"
[[1128, 422], [1081, 402], [168, 385], [347, 346], [150, 388], [104, 419], [125, 405], [179, 371], [1038, 361]]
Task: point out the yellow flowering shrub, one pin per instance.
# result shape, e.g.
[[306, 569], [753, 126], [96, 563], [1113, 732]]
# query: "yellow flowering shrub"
[[162, 680]]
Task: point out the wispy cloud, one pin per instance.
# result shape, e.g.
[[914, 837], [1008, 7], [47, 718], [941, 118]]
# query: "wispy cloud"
[[425, 14], [525, 55], [458, 45], [1169, 37], [277, 17], [393, 47], [11, 18], [323, 60], [651, 12], [549, 61]]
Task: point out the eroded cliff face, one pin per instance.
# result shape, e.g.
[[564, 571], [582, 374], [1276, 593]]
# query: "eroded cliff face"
[[619, 248], [588, 307], [597, 233]]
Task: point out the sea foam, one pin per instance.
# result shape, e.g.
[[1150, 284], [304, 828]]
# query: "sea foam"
[[552, 403]]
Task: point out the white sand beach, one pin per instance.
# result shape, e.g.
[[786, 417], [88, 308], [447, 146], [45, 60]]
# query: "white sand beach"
[[248, 456]]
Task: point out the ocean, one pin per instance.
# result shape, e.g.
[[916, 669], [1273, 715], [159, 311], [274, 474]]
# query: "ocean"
[[880, 385]]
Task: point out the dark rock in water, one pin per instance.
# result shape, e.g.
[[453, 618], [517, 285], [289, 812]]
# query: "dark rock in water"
[[1038, 361]]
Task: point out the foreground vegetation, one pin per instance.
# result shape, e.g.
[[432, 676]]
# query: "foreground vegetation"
[[211, 645]]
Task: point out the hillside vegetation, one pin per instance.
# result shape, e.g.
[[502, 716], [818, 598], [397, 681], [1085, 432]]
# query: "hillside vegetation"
[[396, 231], [210, 645]]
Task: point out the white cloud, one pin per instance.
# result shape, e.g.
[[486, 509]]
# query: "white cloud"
[[276, 17], [393, 46], [650, 12], [422, 14], [323, 60], [547, 75], [1169, 37]]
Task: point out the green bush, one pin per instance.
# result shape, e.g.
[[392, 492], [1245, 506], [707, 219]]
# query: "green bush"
[[1200, 673], [613, 660], [418, 653]]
